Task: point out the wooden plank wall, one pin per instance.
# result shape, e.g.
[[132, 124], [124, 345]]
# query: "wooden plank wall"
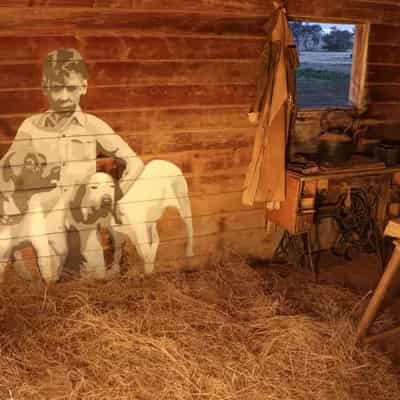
[[175, 78]]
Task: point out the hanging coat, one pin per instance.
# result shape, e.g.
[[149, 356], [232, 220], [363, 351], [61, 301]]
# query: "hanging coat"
[[275, 110]]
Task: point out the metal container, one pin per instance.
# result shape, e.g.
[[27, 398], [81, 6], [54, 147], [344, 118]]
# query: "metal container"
[[335, 147], [388, 153]]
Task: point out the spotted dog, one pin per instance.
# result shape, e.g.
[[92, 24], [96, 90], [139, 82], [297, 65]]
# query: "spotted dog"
[[22, 219], [91, 208]]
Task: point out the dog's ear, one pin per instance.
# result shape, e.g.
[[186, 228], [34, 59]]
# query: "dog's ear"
[[76, 209], [118, 191], [2, 200], [8, 172], [117, 214], [42, 159]]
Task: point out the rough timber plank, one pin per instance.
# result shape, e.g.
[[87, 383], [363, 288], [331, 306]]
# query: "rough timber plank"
[[71, 20], [384, 54], [383, 73], [385, 34], [31, 48], [20, 76], [120, 98], [387, 130], [230, 6], [384, 93], [149, 121], [384, 111]]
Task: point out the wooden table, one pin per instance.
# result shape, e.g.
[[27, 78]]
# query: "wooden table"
[[309, 196]]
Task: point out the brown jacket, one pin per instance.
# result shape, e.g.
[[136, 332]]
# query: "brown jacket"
[[275, 109]]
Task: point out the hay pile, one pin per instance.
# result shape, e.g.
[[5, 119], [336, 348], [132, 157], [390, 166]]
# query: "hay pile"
[[222, 333]]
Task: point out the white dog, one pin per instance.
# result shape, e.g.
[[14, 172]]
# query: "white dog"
[[160, 185], [22, 219], [91, 208]]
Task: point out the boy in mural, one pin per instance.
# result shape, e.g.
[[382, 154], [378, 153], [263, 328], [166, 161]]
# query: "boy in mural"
[[67, 139]]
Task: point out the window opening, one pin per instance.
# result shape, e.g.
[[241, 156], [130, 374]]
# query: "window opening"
[[333, 59]]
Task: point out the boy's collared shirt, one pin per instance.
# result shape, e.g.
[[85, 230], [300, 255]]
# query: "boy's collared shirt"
[[71, 145]]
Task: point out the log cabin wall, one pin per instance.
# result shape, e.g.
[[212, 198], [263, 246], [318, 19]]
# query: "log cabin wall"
[[175, 79]]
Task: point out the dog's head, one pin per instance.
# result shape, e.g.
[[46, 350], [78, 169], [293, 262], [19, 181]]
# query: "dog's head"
[[30, 175], [95, 199]]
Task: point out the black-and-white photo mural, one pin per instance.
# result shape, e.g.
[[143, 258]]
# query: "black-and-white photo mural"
[[53, 198]]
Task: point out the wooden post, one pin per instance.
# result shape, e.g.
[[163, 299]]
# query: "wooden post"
[[379, 294]]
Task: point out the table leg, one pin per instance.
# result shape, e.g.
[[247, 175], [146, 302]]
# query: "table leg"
[[313, 267], [283, 247]]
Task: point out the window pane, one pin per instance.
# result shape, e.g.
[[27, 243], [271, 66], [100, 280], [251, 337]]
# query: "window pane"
[[326, 55]]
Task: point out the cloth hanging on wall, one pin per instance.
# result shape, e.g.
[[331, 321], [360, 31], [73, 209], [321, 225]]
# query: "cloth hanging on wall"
[[274, 109]]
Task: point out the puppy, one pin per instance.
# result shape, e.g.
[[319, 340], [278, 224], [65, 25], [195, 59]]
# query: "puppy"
[[160, 185]]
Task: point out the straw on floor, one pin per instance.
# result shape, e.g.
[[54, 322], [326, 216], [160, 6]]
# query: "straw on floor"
[[226, 332]]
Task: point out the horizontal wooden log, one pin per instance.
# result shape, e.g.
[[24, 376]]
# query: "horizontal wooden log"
[[346, 11], [23, 76], [227, 181], [384, 54], [167, 17], [231, 6], [210, 140], [343, 11], [383, 73], [119, 98], [152, 121], [198, 163], [380, 2], [171, 227], [63, 3], [391, 14], [384, 93], [220, 203], [372, 11], [384, 111], [68, 21], [193, 73], [210, 194], [28, 48], [207, 250], [353, 12], [389, 131], [196, 120], [384, 34], [295, 7], [150, 146]]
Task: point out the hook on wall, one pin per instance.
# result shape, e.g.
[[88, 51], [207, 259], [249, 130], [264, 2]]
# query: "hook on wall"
[[279, 4]]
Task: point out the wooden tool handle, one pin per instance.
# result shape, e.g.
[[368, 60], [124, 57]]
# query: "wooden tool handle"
[[379, 294]]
